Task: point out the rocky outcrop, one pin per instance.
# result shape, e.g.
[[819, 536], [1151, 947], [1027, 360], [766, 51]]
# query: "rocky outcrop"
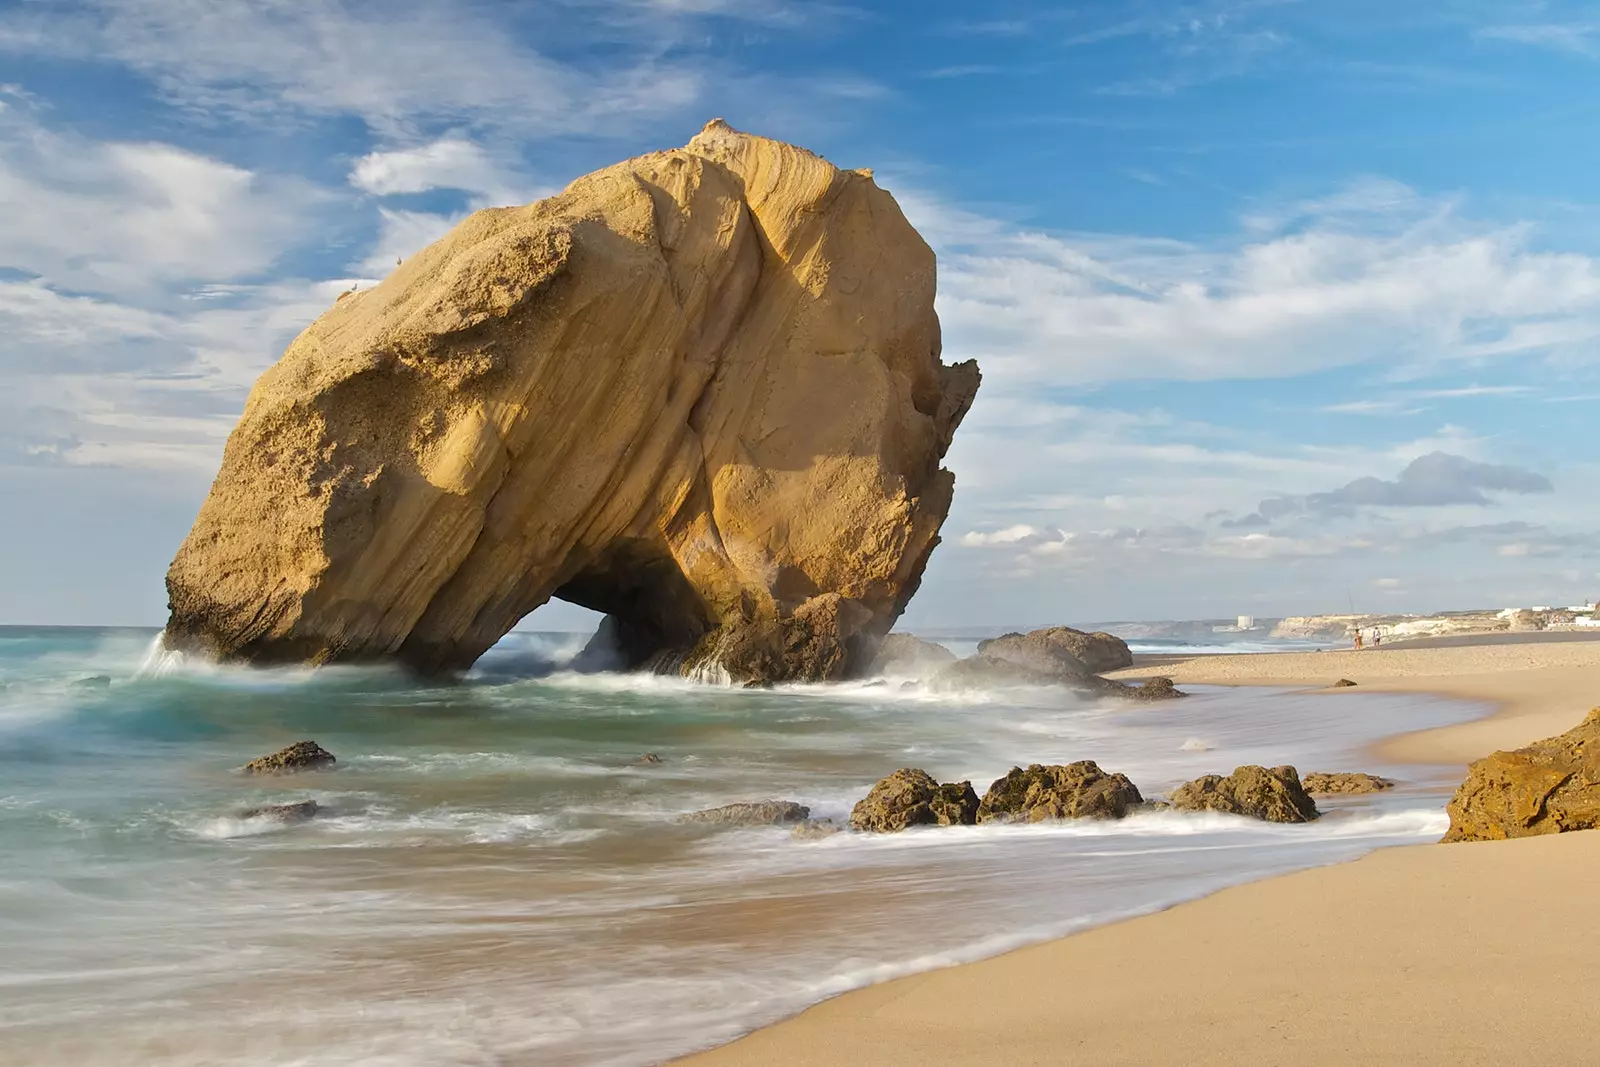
[[1097, 652], [1343, 683], [300, 756], [699, 391], [1038, 652], [909, 656], [1074, 791], [1330, 783], [1154, 689], [1274, 795], [1550, 787], [284, 813], [760, 813], [913, 797]]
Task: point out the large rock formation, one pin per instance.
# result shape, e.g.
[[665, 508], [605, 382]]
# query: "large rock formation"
[[1274, 795], [1098, 652], [1052, 791], [1550, 787], [699, 391]]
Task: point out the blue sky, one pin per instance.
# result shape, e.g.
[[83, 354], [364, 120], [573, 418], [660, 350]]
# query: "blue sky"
[[1282, 306]]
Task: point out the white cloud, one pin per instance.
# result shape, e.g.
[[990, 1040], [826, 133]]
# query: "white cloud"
[[1576, 37], [448, 163]]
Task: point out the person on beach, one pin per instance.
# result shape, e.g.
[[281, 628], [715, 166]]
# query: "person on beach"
[[1358, 639], [1377, 639]]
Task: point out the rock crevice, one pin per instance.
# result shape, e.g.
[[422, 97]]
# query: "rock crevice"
[[699, 391]]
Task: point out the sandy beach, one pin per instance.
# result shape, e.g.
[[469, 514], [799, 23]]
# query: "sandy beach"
[[1437, 954]]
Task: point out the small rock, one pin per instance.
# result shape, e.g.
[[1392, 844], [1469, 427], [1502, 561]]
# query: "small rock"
[[815, 829], [1343, 683], [1076, 790], [1325, 783], [94, 681], [911, 797], [285, 813], [1153, 689], [762, 813], [1274, 795], [648, 758], [300, 756]]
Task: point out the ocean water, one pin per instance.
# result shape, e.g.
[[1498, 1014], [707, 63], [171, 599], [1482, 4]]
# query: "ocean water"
[[495, 880]]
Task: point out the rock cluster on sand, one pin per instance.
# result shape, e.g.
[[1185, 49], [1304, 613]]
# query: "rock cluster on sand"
[[300, 756], [1550, 787], [1076, 790], [760, 813], [1275, 795], [284, 813], [1328, 783], [698, 391], [912, 797]]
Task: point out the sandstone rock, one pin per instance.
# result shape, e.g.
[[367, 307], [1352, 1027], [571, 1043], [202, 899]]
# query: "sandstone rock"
[[911, 797], [1046, 791], [1343, 683], [762, 813], [1099, 651], [1153, 689], [1327, 783], [815, 829], [285, 813], [907, 654], [699, 391], [300, 756], [1274, 795], [1550, 787]]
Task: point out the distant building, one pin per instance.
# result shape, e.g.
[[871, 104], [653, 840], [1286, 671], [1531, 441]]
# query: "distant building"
[[1247, 622]]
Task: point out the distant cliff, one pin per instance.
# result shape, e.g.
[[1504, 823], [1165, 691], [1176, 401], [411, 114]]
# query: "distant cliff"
[[699, 391]]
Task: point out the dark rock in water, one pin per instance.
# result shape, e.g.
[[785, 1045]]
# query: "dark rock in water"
[[649, 758], [300, 756], [983, 672], [283, 812], [907, 654], [1037, 652], [1326, 783], [762, 813], [1152, 690], [911, 797], [1098, 652], [1550, 787], [1274, 795], [1343, 683], [816, 829], [1052, 791], [94, 681]]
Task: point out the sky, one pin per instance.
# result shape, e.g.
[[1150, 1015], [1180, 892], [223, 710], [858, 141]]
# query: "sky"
[[1282, 307]]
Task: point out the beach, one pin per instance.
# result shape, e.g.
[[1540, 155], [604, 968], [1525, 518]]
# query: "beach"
[[1429, 954]]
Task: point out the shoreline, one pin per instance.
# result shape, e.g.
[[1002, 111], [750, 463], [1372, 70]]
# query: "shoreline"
[[1425, 954]]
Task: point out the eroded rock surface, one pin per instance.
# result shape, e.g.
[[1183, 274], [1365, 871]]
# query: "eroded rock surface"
[[1098, 652], [1053, 791], [913, 797], [1274, 795], [1550, 787], [1154, 689], [699, 391], [300, 756], [1329, 783], [759, 813]]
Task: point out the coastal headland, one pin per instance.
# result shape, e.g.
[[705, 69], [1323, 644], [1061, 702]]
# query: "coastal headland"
[[1470, 953]]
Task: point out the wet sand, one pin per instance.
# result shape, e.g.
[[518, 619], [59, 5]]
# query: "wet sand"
[[1439, 954]]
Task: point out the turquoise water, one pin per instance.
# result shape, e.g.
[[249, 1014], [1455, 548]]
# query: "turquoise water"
[[495, 880]]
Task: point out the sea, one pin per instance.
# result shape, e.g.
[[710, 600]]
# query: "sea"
[[496, 879]]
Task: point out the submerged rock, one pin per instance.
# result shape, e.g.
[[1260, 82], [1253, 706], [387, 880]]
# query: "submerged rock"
[[907, 654], [815, 829], [912, 797], [1550, 787], [300, 756], [285, 813], [1097, 652], [94, 681], [1052, 791], [1274, 795], [1327, 783], [698, 391], [760, 813]]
